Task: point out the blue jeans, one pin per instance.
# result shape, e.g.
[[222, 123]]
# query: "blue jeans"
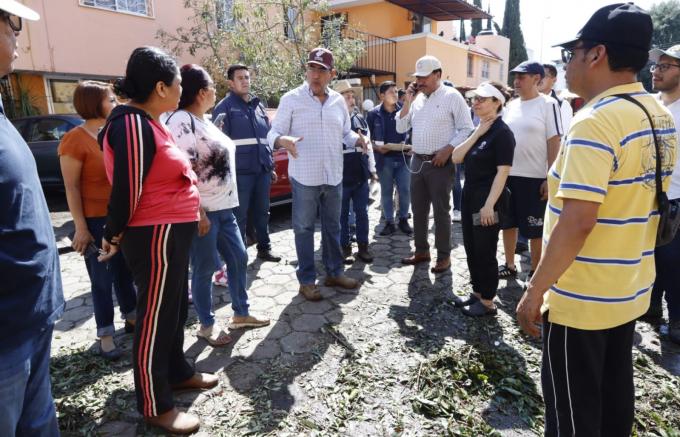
[[668, 277], [26, 404], [253, 198], [394, 170], [105, 276], [357, 193], [458, 187], [307, 203], [223, 239]]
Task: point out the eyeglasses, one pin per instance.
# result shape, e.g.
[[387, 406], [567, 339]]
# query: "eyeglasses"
[[661, 67], [480, 99], [14, 21], [568, 54]]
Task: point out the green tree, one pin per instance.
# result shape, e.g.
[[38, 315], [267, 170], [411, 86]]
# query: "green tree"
[[463, 37], [273, 37], [512, 30], [477, 22]]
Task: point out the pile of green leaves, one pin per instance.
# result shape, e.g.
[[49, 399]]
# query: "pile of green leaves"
[[88, 390], [460, 383]]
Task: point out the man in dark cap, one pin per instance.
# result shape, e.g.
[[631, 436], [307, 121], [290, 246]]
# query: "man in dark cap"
[[535, 122], [31, 297], [312, 123], [597, 271]]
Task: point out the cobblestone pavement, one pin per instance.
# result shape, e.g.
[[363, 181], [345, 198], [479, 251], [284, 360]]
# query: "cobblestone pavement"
[[286, 377]]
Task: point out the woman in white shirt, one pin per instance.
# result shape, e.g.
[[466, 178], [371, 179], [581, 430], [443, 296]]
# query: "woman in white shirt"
[[212, 155]]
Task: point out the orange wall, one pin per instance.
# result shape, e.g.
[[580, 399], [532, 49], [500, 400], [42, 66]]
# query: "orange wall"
[[452, 57], [382, 19], [34, 85], [75, 39]]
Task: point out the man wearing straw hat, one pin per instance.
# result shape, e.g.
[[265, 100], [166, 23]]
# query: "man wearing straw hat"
[[358, 168]]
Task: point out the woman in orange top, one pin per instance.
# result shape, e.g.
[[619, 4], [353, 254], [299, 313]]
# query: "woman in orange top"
[[87, 193]]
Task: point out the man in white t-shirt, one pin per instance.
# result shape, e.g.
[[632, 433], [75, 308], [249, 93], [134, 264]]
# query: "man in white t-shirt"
[[547, 87], [666, 79], [535, 120]]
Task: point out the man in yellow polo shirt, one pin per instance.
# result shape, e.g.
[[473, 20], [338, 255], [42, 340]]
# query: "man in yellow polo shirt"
[[597, 270]]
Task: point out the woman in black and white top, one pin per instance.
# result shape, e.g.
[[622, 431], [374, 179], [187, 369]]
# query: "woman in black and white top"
[[487, 155], [212, 155]]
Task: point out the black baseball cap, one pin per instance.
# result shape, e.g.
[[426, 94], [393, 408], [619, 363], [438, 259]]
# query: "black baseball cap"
[[622, 24], [529, 67]]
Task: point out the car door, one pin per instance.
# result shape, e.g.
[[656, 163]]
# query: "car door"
[[43, 136]]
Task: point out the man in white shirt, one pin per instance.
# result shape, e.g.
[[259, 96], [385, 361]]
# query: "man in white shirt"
[[534, 119], [547, 87], [312, 123], [440, 120], [666, 79]]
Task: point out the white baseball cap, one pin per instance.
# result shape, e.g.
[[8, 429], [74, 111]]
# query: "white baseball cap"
[[673, 52], [485, 89], [20, 10], [426, 65]]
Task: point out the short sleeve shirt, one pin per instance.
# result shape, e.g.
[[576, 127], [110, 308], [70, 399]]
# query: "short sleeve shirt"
[[533, 122], [212, 156], [494, 148], [95, 188], [608, 158]]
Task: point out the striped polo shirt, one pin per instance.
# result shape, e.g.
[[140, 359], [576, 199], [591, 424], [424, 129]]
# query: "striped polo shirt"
[[608, 157]]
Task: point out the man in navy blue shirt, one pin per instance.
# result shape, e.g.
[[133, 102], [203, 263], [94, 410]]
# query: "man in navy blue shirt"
[[247, 124], [31, 297], [390, 165]]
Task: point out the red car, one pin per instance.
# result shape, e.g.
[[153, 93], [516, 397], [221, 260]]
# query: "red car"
[[281, 192]]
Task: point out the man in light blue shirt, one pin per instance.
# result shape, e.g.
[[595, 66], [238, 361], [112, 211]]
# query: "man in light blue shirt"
[[31, 297], [312, 123]]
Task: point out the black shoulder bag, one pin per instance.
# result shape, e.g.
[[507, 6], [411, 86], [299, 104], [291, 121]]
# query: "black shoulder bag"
[[669, 216]]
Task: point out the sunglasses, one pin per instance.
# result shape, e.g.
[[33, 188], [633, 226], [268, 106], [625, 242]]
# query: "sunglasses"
[[14, 21], [480, 99]]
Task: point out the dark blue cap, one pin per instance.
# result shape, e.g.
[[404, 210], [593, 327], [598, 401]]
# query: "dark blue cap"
[[622, 24], [529, 67]]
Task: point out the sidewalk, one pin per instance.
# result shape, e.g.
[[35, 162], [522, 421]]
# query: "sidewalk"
[[352, 364]]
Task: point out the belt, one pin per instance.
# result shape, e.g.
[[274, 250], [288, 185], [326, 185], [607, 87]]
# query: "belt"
[[424, 157]]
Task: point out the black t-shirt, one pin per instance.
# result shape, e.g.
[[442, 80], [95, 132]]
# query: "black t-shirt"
[[494, 148]]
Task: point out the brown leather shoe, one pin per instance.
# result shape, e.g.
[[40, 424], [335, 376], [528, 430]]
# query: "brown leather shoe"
[[310, 292], [341, 281], [416, 258], [442, 265], [200, 381], [175, 422]]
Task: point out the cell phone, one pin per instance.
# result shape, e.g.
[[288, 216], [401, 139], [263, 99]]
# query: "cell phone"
[[90, 250], [477, 218], [219, 119]]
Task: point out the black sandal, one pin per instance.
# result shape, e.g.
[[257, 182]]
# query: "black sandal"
[[478, 309], [460, 303], [505, 272]]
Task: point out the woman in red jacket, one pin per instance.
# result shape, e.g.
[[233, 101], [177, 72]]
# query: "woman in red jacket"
[[152, 217]]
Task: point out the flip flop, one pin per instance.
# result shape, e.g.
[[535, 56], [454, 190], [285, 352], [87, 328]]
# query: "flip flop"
[[215, 338]]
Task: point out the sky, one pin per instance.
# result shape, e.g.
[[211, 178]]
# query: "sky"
[[549, 22]]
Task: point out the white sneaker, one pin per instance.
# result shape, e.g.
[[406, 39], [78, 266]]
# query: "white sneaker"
[[220, 277], [456, 215]]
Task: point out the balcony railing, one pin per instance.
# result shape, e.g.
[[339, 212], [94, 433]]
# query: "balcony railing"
[[379, 56]]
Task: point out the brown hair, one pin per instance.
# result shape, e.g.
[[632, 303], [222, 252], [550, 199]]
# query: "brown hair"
[[88, 98]]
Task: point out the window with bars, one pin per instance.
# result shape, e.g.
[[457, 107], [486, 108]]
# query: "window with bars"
[[485, 69], [470, 66], [140, 7]]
